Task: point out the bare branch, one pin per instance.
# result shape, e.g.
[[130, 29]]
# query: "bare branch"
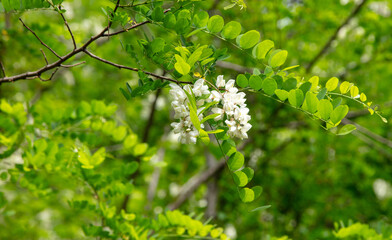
[[2, 69], [72, 65], [39, 39], [334, 35], [69, 29], [233, 66], [43, 53], [133, 69], [51, 76]]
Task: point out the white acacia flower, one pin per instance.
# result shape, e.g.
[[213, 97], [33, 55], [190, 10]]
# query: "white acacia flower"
[[220, 82], [215, 96], [199, 88], [220, 111], [230, 84], [230, 106]]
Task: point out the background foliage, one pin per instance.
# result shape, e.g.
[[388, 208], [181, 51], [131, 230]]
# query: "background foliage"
[[76, 155]]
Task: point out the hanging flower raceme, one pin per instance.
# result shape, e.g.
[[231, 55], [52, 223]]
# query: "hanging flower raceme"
[[225, 103]]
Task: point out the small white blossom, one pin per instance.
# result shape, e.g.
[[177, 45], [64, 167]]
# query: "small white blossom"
[[230, 107], [220, 82]]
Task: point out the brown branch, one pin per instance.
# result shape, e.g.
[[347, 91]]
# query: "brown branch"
[[39, 39], [133, 69], [83, 48], [72, 65], [189, 187], [2, 69], [43, 53], [233, 66], [69, 29], [334, 35], [369, 133], [51, 76]]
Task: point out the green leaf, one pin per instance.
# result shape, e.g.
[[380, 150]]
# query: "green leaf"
[[346, 129], [324, 108], [170, 21], [228, 147], [240, 178], [322, 93], [201, 19], [157, 14], [235, 161], [332, 84], [249, 173], [257, 190], [289, 84], [231, 30], [194, 118], [182, 26], [157, 45], [126, 95], [336, 102], [215, 24], [345, 87], [277, 58], [99, 156], [354, 91], [215, 131], [282, 94], [261, 49], [269, 86], [339, 113], [314, 81], [247, 195], [181, 66], [305, 87], [261, 208], [255, 82], [311, 102], [204, 137], [249, 39], [296, 97], [242, 81], [195, 56]]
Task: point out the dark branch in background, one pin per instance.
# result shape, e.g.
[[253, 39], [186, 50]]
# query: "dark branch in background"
[[212, 193], [43, 54], [69, 29], [234, 67], [131, 68], [39, 39], [370, 134], [189, 187], [334, 35], [83, 49]]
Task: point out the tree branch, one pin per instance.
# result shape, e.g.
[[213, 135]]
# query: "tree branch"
[[39, 39], [132, 69], [334, 35], [69, 29], [75, 51]]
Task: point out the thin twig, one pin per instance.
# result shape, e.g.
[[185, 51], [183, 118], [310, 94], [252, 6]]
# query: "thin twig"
[[69, 29], [51, 76], [132, 69], [39, 39], [43, 53], [334, 35], [2, 68], [72, 65]]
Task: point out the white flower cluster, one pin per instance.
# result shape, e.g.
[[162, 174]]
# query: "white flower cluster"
[[230, 105]]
